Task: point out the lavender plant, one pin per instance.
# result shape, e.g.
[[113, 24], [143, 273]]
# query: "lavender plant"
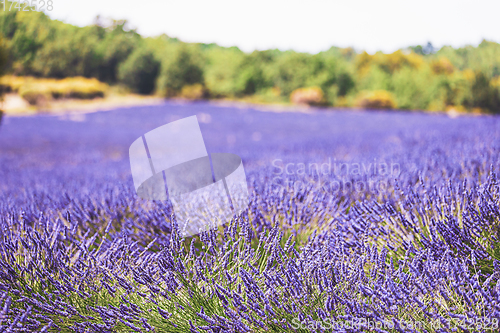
[[79, 252]]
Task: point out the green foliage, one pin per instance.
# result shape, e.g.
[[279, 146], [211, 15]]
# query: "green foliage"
[[375, 78], [324, 70], [27, 33], [345, 83], [3, 62], [70, 53], [485, 57], [139, 71], [222, 70], [410, 89], [184, 69], [294, 70], [116, 43], [418, 77], [484, 94], [39, 46], [253, 73]]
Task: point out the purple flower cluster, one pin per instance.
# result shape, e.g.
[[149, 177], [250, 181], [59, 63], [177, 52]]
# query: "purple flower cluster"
[[80, 252]]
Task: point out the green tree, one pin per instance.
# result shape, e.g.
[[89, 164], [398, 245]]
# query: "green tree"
[[484, 95], [222, 70], [140, 71], [299, 70], [186, 68], [345, 83], [253, 74], [292, 72], [117, 43], [71, 52], [411, 88], [29, 31], [3, 63]]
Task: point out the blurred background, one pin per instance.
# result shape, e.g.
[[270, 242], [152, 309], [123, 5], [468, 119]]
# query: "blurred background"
[[434, 56]]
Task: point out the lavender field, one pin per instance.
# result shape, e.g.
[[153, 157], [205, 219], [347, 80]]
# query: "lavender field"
[[358, 221]]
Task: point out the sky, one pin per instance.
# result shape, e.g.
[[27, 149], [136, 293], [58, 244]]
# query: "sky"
[[304, 26]]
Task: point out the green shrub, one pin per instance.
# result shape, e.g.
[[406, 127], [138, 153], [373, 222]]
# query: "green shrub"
[[378, 99], [140, 71]]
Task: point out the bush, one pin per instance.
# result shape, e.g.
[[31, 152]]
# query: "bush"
[[378, 99], [140, 71], [308, 96], [40, 91], [194, 91]]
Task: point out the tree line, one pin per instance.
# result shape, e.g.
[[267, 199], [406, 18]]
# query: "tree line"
[[418, 77]]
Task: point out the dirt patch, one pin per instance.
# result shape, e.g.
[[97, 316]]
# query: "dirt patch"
[[13, 104]]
